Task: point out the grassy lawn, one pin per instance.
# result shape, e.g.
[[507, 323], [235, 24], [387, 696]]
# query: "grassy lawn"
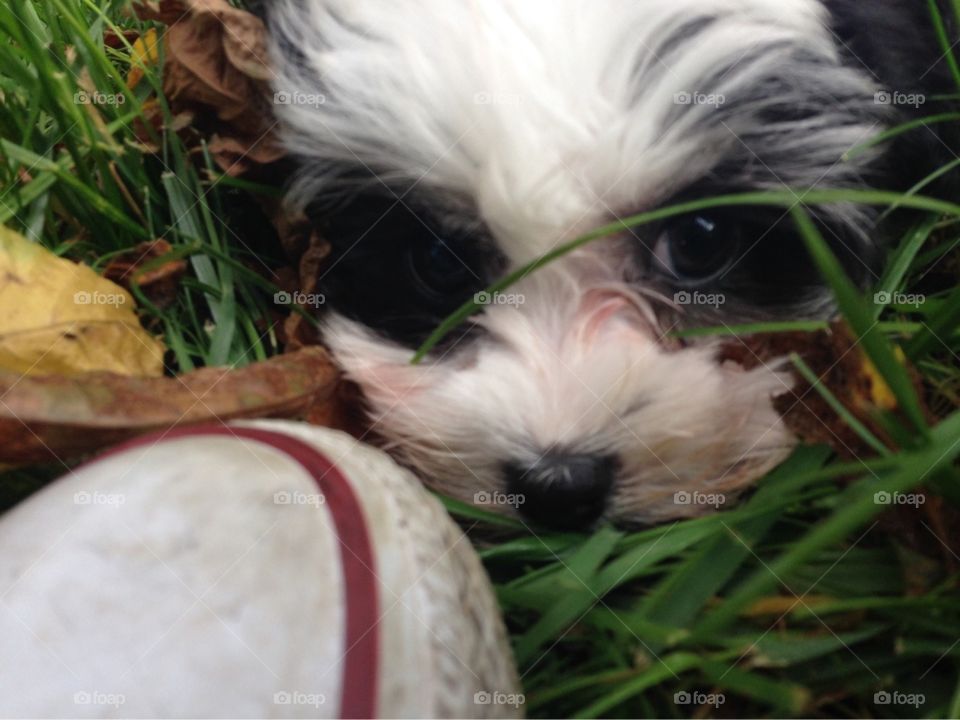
[[809, 598]]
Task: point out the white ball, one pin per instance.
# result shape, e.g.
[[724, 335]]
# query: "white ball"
[[265, 569]]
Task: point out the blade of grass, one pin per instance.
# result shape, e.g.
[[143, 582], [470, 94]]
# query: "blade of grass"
[[677, 599], [926, 182], [857, 314], [903, 258], [880, 138], [855, 507], [787, 199], [941, 326], [89, 195], [573, 589], [754, 329], [785, 649], [782, 697], [669, 667], [943, 38]]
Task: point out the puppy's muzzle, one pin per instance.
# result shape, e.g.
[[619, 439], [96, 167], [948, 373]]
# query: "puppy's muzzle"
[[562, 490]]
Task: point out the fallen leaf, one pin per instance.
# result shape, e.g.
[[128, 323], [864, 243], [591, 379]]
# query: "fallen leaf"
[[298, 331], [244, 36], [146, 51], [238, 155], [117, 41], [880, 395], [146, 267], [57, 417], [168, 12], [60, 317], [843, 368], [216, 71], [343, 410]]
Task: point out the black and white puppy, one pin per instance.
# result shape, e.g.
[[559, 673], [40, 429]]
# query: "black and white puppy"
[[446, 142]]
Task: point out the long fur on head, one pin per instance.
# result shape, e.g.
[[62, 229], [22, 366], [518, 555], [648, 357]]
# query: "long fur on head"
[[549, 115]]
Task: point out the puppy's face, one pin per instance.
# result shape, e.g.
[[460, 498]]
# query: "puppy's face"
[[447, 143]]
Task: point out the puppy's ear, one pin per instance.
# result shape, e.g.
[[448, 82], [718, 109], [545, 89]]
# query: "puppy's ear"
[[895, 40]]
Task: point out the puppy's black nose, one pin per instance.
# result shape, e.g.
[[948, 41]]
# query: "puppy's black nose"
[[562, 490]]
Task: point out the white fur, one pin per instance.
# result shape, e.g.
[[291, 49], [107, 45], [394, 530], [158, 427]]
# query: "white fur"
[[546, 118], [581, 366], [550, 116]]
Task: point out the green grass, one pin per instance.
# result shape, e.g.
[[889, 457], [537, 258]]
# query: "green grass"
[[92, 192], [616, 623]]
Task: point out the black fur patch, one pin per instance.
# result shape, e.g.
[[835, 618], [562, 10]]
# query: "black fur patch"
[[896, 42], [397, 269]]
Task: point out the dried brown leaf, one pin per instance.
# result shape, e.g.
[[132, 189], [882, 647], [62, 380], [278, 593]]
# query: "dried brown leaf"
[[844, 369], [144, 267], [216, 74], [216, 66], [52, 417]]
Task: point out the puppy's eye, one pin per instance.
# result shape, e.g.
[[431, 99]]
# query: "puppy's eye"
[[696, 249], [436, 269], [398, 270]]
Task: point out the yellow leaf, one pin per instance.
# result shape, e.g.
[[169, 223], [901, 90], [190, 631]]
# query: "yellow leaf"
[[880, 393], [59, 317], [146, 51]]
